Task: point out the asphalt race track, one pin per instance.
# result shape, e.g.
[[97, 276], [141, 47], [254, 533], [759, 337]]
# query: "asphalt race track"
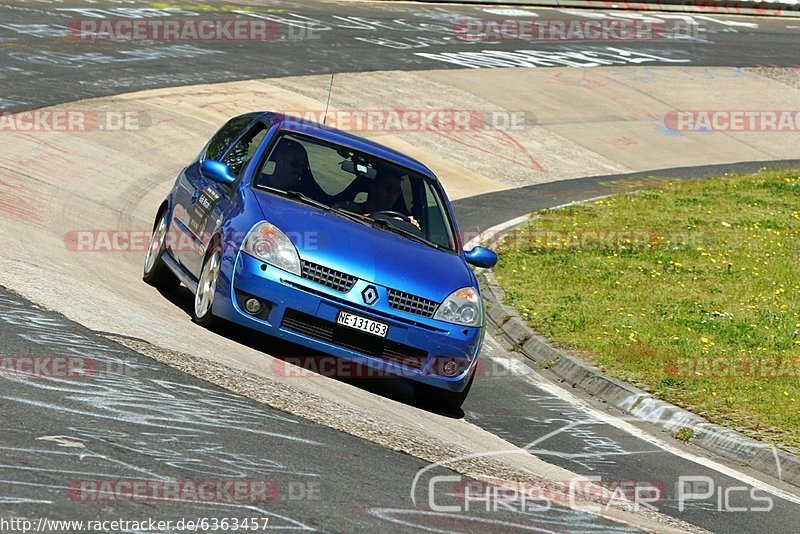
[[150, 422], [144, 420], [43, 66]]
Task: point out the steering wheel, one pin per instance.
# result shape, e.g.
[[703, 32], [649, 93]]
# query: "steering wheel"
[[393, 214]]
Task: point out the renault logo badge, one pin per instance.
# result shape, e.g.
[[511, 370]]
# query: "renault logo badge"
[[370, 295]]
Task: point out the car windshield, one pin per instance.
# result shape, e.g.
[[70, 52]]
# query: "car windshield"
[[390, 197]]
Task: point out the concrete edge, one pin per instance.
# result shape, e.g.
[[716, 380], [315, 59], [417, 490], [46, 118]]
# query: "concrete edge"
[[774, 8], [514, 333]]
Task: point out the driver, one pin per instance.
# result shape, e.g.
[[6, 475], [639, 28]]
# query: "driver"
[[292, 172], [290, 160], [382, 195]]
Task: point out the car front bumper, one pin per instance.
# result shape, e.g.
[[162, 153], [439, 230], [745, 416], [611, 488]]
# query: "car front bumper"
[[304, 312]]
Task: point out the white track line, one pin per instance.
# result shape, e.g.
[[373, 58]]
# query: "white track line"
[[520, 368]]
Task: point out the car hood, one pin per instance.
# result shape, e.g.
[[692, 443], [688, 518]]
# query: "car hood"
[[371, 254]]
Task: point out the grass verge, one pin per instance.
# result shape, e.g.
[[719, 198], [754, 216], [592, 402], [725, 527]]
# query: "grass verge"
[[690, 290]]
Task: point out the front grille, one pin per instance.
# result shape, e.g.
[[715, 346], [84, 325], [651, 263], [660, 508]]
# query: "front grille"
[[411, 303], [328, 277], [350, 339], [344, 282]]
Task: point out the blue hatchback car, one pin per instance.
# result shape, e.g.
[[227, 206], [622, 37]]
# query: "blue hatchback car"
[[330, 241]]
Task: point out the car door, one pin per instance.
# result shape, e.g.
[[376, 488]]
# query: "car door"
[[190, 221]]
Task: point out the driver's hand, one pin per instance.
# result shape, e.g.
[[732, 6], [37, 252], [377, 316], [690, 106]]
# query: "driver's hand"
[[413, 221]]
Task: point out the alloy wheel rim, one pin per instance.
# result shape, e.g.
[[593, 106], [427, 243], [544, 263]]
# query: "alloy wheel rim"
[[156, 242], [206, 286]]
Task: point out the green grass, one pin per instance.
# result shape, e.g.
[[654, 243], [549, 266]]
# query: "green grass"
[[708, 272], [684, 434]]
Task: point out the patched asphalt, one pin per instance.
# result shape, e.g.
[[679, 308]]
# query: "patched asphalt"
[[44, 63]]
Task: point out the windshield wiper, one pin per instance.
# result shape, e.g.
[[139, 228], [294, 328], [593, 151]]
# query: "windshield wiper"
[[297, 195], [386, 225]]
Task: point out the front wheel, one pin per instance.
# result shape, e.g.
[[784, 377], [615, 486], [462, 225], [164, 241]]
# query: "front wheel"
[[156, 273], [207, 287], [441, 400]]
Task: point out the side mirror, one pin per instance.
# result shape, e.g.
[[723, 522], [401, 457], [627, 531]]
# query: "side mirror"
[[481, 257], [216, 171]]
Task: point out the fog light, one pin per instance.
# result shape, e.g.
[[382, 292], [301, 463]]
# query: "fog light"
[[253, 306], [450, 368]]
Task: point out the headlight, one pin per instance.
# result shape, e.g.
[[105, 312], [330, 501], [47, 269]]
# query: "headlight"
[[463, 307], [267, 243]]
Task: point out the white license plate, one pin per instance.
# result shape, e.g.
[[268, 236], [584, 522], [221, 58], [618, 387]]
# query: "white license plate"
[[362, 323]]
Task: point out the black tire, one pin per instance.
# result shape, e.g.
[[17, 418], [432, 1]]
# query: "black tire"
[[156, 273], [202, 310], [441, 400]]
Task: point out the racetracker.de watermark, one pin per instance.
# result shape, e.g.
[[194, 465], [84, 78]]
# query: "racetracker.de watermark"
[[73, 121], [732, 367], [599, 240], [185, 30], [116, 241], [30, 366], [403, 366], [528, 30], [413, 120], [733, 120], [202, 491]]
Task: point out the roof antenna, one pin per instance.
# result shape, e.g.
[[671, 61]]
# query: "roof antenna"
[[328, 103]]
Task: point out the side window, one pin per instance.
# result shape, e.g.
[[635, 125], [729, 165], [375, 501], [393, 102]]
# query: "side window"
[[243, 150], [223, 138], [437, 228]]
